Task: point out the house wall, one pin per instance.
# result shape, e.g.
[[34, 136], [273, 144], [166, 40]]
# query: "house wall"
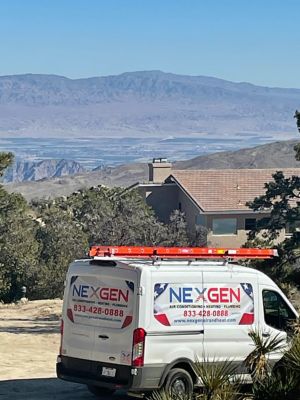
[[162, 198], [191, 211], [233, 240]]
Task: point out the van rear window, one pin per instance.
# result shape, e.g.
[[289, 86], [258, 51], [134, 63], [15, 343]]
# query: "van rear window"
[[105, 302]]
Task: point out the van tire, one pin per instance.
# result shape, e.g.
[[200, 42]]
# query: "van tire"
[[100, 391], [179, 384]]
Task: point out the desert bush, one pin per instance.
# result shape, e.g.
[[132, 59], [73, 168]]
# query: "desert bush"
[[291, 358], [278, 385], [257, 361], [273, 383], [218, 380]]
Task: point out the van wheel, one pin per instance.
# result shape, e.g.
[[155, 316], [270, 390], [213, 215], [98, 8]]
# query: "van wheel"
[[179, 384], [100, 391]]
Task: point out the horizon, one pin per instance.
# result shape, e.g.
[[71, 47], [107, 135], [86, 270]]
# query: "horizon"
[[253, 42], [147, 71]]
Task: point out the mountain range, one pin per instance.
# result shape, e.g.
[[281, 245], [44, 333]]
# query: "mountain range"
[[143, 104]]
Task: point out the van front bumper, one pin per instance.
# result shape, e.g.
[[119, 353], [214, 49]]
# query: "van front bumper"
[[127, 378]]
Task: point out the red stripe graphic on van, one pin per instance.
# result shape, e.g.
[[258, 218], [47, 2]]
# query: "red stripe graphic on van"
[[163, 319], [247, 319], [127, 321], [70, 314]]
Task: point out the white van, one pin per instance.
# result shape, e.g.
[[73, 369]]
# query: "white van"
[[137, 318]]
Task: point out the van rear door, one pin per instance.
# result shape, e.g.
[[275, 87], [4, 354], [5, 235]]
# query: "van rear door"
[[100, 314]]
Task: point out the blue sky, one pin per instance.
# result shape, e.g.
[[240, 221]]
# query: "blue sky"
[[256, 41]]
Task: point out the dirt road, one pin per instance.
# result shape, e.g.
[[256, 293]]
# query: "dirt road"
[[29, 342]]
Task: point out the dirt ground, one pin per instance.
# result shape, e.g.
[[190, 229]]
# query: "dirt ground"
[[29, 343]]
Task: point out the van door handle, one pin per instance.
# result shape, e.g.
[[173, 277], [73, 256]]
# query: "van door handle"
[[266, 334], [104, 337]]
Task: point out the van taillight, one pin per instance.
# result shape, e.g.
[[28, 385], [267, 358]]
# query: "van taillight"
[[61, 335], [138, 347]]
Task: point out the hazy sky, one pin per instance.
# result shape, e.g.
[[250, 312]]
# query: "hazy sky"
[[240, 40]]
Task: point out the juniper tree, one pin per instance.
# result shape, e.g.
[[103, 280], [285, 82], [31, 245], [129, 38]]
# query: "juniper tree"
[[282, 200], [297, 147], [18, 246]]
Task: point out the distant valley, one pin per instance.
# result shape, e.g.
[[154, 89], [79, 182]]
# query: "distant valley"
[[105, 129], [274, 155]]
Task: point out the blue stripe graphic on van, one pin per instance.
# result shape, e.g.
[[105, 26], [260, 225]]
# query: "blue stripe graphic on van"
[[130, 285], [73, 279]]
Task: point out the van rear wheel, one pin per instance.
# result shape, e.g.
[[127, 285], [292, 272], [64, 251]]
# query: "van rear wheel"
[[100, 391], [179, 384]]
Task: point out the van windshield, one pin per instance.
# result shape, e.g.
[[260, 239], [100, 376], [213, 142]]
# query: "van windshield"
[[101, 302]]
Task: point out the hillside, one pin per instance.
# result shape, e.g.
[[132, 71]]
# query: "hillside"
[[274, 155], [143, 104], [22, 171]]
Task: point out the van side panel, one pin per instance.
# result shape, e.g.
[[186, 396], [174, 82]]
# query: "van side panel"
[[174, 333], [232, 303]]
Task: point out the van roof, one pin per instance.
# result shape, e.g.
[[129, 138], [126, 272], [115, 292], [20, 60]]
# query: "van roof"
[[191, 253], [185, 266]]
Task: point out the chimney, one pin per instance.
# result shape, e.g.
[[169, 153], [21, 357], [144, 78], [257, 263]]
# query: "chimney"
[[159, 170]]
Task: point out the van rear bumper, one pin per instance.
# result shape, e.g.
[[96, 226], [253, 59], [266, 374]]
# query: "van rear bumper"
[[128, 378]]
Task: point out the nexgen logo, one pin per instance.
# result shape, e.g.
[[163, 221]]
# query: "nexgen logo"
[[212, 295], [101, 293]]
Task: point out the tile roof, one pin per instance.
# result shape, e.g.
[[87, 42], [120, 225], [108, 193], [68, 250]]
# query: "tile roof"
[[228, 189]]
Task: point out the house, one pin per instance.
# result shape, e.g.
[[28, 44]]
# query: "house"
[[214, 199]]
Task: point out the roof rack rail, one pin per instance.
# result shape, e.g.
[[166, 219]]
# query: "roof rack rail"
[[180, 252]]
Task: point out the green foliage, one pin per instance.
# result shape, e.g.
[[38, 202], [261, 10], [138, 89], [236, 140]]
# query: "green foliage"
[[281, 199], [217, 378], [6, 160], [297, 147], [292, 355], [257, 361], [177, 229], [68, 226], [120, 217], [297, 116], [163, 395], [199, 238], [273, 383], [278, 385], [18, 248], [61, 240]]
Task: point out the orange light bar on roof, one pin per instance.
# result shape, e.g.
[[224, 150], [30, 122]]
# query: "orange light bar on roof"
[[180, 252]]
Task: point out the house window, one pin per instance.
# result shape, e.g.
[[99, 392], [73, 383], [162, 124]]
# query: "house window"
[[179, 206], [224, 226], [250, 224], [200, 220]]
